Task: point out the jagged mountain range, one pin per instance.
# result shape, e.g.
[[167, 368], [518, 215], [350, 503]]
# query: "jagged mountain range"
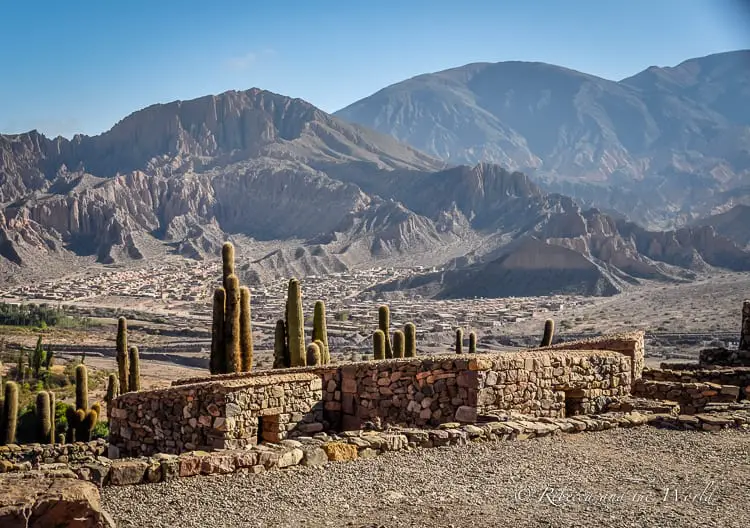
[[661, 148], [184, 176]]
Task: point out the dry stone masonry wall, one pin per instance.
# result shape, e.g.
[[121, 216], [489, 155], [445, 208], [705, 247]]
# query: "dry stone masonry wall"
[[239, 410]]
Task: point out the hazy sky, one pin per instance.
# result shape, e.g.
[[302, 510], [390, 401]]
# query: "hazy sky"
[[80, 66]]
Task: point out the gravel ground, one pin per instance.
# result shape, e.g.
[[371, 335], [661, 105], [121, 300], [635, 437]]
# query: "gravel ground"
[[620, 477]]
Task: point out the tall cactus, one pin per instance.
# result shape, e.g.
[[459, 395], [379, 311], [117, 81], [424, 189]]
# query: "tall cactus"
[[459, 341], [82, 387], [232, 326], [217, 362], [134, 378], [472, 343], [399, 344], [410, 340], [10, 414], [52, 409], [321, 347], [549, 332], [246, 331], [113, 391], [378, 344], [384, 325], [313, 354], [44, 427], [227, 262], [280, 350], [320, 330], [295, 325], [71, 417], [122, 353], [88, 422]]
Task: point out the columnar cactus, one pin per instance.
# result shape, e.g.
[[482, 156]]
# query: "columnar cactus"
[[472, 343], [295, 325], [10, 414], [232, 326], [459, 341], [398, 344], [227, 262], [74, 422], [52, 408], [122, 353], [45, 434], [113, 391], [82, 387], [549, 332], [384, 324], [246, 331], [88, 422], [313, 354], [50, 354], [410, 340], [134, 379], [320, 330], [217, 362], [280, 350], [378, 344]]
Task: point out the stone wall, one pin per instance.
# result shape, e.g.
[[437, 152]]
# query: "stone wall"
[[52, 453], [632, 344], [238, 410], [723, 357], [692, 397], [739, 376], [215, 414]]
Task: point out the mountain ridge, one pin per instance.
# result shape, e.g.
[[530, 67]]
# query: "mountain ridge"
[[609, 144], [183, 177]]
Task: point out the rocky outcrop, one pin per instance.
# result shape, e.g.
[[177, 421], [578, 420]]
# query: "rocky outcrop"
[[48, 499]]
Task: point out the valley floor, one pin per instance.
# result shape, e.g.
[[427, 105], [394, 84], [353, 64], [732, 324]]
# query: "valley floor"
[[619, 478]]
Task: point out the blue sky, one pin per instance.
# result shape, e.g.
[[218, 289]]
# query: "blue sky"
[[81, 66]]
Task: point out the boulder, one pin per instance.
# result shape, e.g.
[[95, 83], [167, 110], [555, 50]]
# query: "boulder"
[[44, 500]]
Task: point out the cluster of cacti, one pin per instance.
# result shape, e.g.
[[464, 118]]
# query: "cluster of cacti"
[[231, 327], [459, 341], [402, 344], [123, 361], [9, 417], [549, 332], [81, 419]]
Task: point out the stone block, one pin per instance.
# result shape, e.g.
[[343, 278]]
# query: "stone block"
[[339, 451], [466, 414], [313, 456], [125, 472]]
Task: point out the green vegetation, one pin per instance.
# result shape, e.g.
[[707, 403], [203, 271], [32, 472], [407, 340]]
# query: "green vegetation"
[[313, 354], [399, 345], [39, 316], [459, 341], [294, 325], [122, 353], [280, 350], [472, 343]]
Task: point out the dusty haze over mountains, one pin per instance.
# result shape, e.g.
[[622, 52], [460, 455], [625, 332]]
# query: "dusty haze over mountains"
[[181, 177], [662, 147]]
